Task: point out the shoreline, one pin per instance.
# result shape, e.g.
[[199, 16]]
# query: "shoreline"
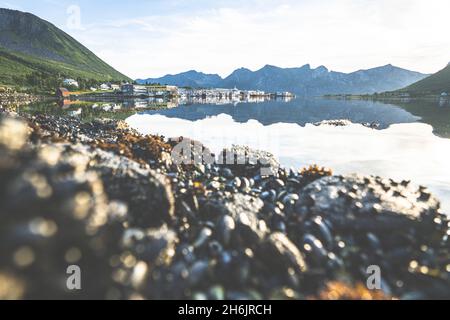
[[381, 97], [207, 231], [10, 99]]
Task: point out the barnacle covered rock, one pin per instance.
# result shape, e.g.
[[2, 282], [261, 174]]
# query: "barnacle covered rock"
[[244, 210], [51, 217], [370, 203], [154, 246], [281, 252], [148, 194]]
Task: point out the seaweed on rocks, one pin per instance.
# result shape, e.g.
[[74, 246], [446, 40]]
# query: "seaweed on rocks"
[[343, 291], [313, 173], [148, 150], [108, 135]]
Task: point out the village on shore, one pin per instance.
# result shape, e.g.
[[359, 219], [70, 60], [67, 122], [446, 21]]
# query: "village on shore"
[[129, 90]]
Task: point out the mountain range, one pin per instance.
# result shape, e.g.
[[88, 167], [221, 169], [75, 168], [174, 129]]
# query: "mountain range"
[[32, 51], [30, 45], [304, 80], [191, 78]]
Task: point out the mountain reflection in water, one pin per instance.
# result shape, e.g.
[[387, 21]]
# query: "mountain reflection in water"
[[300, 111], [297, 111]]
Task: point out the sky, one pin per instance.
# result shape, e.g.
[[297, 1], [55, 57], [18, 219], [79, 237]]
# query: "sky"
[[152, 38]]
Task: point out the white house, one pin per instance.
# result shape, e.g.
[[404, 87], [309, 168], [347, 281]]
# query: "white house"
[[71, 83], [134, 90], [105, 87]]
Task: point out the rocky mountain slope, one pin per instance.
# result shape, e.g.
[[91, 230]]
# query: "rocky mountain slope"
[[30, 45], [437, 83]]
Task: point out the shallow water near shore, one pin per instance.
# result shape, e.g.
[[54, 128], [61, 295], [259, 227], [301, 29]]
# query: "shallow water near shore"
[[402, 149]]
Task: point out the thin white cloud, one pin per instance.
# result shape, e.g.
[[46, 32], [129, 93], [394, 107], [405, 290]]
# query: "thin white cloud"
[[342, 34], [8, 5]]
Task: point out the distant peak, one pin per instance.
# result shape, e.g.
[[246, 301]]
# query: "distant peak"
[[322, 68], [269, 67], [386, 66], [192, 72], [242, 69], [389, 66]]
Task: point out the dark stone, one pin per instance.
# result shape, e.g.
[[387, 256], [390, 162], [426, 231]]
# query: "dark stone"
[[371, 204]]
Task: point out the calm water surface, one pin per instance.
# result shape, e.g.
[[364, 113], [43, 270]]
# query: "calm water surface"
[[413, 140]]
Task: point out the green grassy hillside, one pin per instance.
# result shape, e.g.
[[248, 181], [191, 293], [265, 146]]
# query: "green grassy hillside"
[[35, 52], [434, 84]]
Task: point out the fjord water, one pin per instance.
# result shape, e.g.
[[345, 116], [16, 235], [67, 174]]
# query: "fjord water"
[[412, 141]]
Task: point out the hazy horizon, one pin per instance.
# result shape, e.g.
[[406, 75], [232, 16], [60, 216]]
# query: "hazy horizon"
[[150, 39]]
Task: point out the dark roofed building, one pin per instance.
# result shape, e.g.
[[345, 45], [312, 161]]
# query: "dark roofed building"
[[62, 93]]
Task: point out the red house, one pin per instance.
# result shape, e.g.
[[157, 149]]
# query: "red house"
[[62, 93]]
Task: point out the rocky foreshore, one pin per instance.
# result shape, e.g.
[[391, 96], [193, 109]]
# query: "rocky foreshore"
[[10, 99], [100, 196], [345, 123]]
